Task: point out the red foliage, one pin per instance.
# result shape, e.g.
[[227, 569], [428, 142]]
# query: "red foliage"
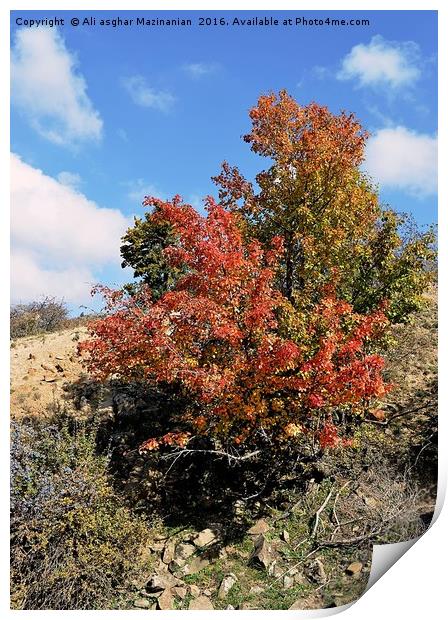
[[216, 338]]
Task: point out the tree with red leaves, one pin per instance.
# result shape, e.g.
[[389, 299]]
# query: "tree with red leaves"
[[253, 368]]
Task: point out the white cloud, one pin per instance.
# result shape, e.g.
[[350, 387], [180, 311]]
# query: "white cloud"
[[70, 179], [60, 239], [143, 95], [31, 281], [400, 158], [382, 63], [199, 69], [48, 89]]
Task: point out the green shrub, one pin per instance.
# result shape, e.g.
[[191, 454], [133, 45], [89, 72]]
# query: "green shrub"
[[73, 544]]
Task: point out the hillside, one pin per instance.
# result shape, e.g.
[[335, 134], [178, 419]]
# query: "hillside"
[[309, 547]]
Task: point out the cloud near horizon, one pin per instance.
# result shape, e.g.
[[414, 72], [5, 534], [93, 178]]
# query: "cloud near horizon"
[[49, 91], [60, 239]]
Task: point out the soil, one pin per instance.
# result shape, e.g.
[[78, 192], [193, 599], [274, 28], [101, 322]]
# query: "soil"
[[40, 366]]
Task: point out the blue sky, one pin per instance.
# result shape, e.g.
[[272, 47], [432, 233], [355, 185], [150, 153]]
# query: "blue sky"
[[101, 116]]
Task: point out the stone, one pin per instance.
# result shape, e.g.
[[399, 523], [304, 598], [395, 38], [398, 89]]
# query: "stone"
[[194, 590], [159, 582], [206, 537], [262, 555], [275, 570], [230, 607], [354, 568], [179, 591], [260, 527], [168, 552], [288, 582], [308, 602], [165, 600], [142, 603], [316, 572], [285, 536], [183, 551], [195, 566], [226, 585], [201, 603]]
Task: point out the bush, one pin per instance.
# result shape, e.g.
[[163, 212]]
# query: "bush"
[[36, 317], [72, 542]]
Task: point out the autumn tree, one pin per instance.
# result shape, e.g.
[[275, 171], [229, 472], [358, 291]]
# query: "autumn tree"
[[315, 196], [254, 370]]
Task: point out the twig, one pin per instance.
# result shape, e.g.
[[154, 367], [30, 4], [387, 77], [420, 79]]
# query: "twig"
[[220, 453], [319, 512]]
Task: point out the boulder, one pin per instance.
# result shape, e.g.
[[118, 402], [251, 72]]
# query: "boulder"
[[142, 603]]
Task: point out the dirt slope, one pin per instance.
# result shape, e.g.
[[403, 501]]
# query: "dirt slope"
[[40, 365]]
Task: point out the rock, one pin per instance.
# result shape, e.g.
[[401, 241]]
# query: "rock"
[[195, 566], [285, 536], [230, 607], [49, 379], [58, 357], [168, 552], [260, 527], [179, 591], [177, 564], [207, 593], [165, 600], [206, 537], [275, 570], [262, 556], [316, 572], [201, 603], [354, 568], [256, 590], [226, 585], [159, 582], [308, 602], [288, 582], [47, 368], [194, 590], [300, 579], [183, 551], [142, 603]]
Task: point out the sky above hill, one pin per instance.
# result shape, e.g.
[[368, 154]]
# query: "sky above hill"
[[102, 116]]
